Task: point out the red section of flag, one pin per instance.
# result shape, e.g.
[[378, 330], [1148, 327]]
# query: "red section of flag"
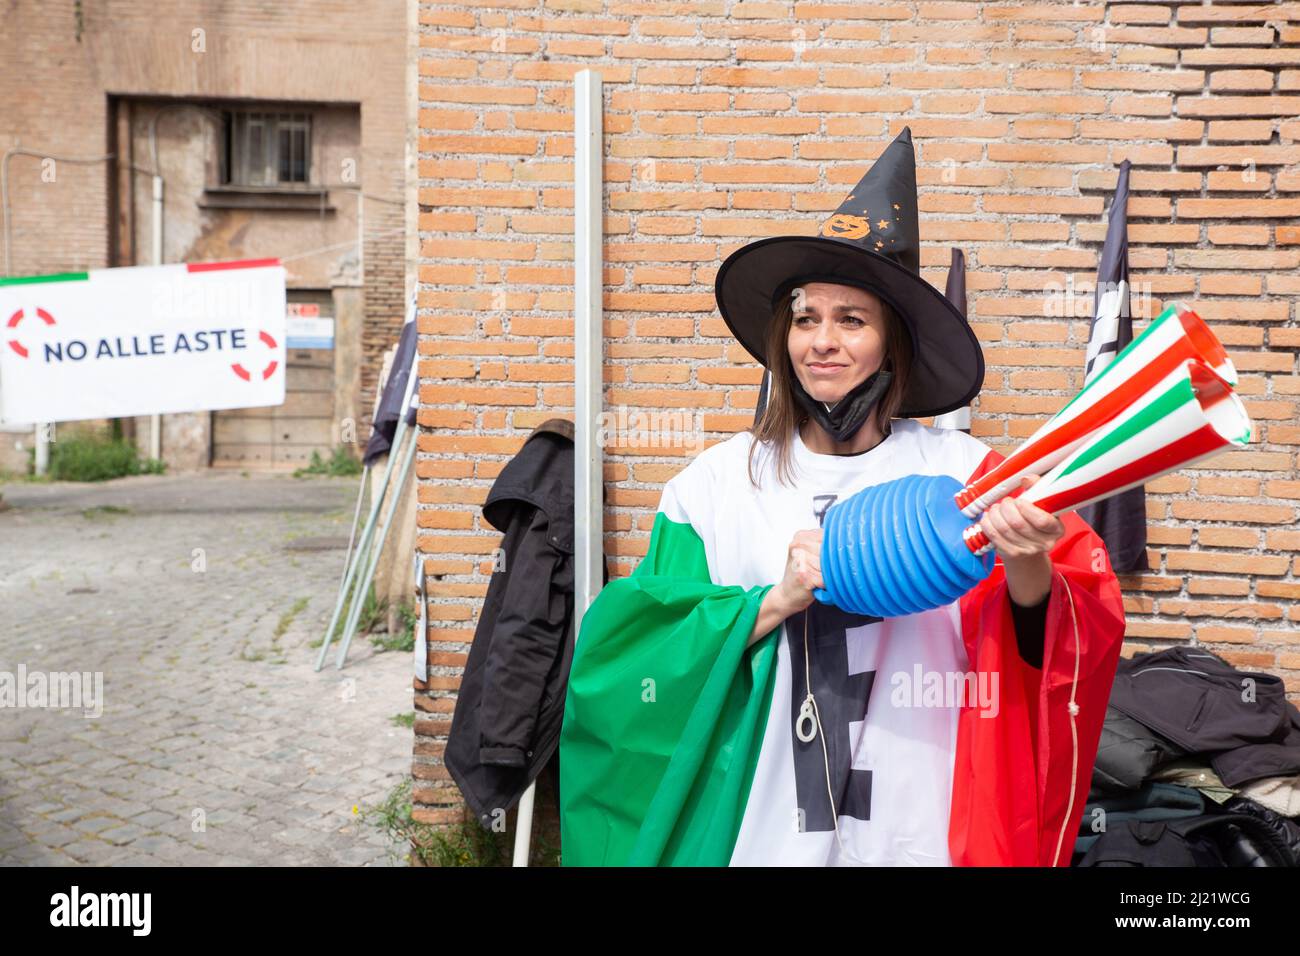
[[1021, 776], [40, 314]]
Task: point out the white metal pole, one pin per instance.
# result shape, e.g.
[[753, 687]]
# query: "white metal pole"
[[371, 557], [155, 421], [589, 353], [42, 463], [361, 494], [588, 362], [353, 567], [522, 833]]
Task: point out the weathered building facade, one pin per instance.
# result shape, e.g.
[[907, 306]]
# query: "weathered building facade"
[[133, 133]]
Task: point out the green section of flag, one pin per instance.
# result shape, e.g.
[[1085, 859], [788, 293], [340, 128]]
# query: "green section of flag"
[[57, 277], [665, 713]]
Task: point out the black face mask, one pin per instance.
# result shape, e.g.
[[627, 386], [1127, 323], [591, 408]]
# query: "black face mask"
[[845, 417]]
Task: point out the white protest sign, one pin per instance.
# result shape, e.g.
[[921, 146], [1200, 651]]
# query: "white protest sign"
[[142, 340]]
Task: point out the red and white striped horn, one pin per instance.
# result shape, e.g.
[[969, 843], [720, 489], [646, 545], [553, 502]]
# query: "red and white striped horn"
[[1176, 336], [1190, 415]]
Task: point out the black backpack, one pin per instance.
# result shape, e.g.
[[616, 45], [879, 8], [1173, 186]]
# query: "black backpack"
[[1212, 839]]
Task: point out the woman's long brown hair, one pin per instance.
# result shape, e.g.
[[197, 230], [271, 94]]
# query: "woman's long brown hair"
[[782, 415]]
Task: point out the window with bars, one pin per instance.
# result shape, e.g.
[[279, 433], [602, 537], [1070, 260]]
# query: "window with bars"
[[267, 149]]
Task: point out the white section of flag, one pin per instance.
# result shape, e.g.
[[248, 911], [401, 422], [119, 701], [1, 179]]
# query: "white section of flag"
[[1103, 346]]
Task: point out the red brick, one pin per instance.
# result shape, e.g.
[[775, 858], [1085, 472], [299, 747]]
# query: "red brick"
[[1226, 563]]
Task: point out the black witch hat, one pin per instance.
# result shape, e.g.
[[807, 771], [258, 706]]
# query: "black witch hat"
[[872, 242]]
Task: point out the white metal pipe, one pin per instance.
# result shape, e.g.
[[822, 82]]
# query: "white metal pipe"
[[523, 833], [588, 398], [353, 567], [588, 363], [372, 559], [155, 421], [42, 464]]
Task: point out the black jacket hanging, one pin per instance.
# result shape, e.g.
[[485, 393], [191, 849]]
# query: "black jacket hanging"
[[1241, 721], [510, 706]]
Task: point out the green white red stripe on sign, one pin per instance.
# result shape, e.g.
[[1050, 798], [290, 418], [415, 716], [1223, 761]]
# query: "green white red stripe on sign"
[[233, 264], [188, 266]]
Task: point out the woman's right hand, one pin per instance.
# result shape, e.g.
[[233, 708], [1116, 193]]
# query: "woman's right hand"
[[794, 592], [803, 571]]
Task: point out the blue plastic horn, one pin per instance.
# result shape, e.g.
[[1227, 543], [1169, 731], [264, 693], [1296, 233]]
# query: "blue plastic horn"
[[896, 548]]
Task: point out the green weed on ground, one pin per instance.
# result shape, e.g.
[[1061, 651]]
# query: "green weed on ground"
[[463, 844], [103, 511], [341, 463], [95, 458], [404, 637]]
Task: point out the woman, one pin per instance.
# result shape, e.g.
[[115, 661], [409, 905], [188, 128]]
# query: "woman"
[[717, 713], [838, 336]]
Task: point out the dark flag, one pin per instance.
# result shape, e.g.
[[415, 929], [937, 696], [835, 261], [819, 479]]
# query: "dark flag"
[[390, 404], [762, 395], [1121, 520], [955, 292]]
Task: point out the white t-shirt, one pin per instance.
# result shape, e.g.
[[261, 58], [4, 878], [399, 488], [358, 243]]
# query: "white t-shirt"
[[890, 758]]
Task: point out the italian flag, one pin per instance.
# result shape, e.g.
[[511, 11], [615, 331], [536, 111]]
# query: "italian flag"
[[667, 705], [665, 713]]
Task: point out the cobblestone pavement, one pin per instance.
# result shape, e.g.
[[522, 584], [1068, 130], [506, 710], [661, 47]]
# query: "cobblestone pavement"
[[198, 598]]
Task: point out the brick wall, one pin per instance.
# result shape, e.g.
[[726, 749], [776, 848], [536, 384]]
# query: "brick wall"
[[726, 122]]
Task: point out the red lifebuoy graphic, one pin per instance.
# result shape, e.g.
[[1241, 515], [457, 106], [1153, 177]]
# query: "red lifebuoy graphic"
[[267, 372], [13, 324]]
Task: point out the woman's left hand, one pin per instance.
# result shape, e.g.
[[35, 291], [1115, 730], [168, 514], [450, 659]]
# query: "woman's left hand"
[[1021, 529], [1024, 535]]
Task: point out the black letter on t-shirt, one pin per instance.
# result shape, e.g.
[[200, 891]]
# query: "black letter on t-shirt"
[[841, 699]]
